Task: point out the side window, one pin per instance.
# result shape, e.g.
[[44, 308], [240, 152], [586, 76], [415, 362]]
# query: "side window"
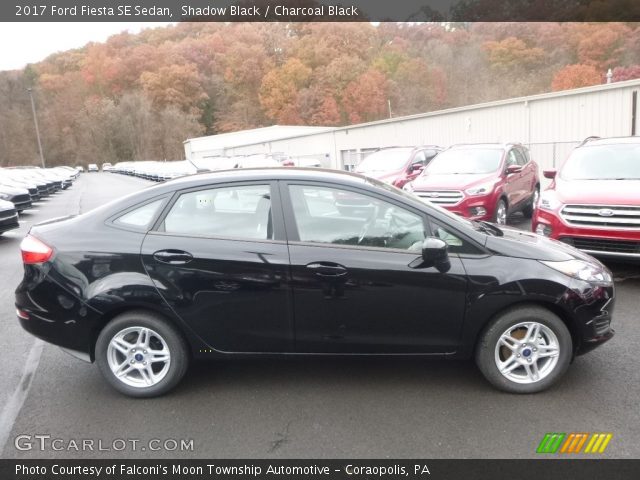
[[141, 217], [343, 217], [419, 158], [456, 243], [520, 158], [236, 211], [511, 158], [429, 154]]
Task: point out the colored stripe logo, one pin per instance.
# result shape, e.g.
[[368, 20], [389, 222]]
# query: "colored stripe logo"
[[574, 443]]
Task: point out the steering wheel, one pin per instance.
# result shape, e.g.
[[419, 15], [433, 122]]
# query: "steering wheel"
[[368, 224]]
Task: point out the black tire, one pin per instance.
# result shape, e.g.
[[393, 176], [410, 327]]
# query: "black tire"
[[486, 349], [501, 204], [173, 340], [528, 210]]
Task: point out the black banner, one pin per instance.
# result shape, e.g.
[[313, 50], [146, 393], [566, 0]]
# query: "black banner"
[[317, 10], [320, 469]]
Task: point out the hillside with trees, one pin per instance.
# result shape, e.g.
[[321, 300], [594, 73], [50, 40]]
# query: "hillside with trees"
[[140, 96]]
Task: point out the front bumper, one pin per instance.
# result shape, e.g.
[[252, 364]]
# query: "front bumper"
[[8, 220], [602, 242]]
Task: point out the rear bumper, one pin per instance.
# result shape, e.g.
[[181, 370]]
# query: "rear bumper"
[[54, 314]]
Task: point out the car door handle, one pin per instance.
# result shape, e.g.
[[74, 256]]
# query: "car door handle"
[[173, 257], [327, 269]]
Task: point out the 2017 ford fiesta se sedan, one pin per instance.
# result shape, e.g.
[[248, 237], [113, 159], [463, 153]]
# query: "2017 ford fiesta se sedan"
[[262, 261]]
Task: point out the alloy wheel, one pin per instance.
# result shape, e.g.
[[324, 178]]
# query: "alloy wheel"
[[527, 352], [138, 357]]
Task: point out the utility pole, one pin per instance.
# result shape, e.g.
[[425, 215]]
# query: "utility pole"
[[35, 121]]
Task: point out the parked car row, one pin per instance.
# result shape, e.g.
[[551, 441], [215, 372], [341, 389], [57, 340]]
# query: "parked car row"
[[20, 187]]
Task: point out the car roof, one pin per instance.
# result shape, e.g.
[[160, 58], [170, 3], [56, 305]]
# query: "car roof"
[[590, 142], [484, 145], [267, 173]]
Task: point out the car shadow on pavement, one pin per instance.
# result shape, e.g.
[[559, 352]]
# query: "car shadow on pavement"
[[333, 372]]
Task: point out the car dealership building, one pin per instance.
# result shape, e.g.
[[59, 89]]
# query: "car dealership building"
[[550, 124]]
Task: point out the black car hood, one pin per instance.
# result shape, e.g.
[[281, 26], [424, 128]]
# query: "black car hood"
[[521, 244]]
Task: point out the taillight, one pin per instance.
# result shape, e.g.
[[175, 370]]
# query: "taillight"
[[35, 251]]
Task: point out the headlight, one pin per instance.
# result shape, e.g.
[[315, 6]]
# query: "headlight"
[[581, 270], [483, 189], [408, 187], [549, 201]]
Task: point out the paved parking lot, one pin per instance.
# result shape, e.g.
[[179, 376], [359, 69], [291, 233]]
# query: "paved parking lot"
[[305, 407]]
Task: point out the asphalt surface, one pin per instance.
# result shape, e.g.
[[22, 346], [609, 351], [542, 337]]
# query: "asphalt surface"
[[302, 407]]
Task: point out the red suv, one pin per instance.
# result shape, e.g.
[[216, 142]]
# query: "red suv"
[[481, 181], [593, 202], [397, 165]]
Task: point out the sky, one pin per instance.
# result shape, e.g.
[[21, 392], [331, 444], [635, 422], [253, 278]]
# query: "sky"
[[24, 43]]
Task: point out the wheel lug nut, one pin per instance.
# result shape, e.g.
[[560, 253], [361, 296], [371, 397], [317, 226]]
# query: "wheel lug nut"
[[132, 361], [144, 363], [144, 351], [529, 360], [518, 355]]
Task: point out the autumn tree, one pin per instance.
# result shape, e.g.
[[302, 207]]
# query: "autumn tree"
[[365, 98], [576, 76], [280, 89], [177, 86]]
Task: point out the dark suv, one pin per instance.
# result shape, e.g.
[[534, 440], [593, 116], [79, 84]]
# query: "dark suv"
[[485, 181]]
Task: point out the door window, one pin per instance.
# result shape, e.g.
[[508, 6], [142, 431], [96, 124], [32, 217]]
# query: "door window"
[[236, 211], [511, 158], [343, 217], [520, 158], [454, 240]]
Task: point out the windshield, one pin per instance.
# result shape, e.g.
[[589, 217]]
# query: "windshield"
[[385, 160], [461, 161], [603, 162]]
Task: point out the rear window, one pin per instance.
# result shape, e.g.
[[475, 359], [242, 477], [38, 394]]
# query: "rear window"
[[141, 217]]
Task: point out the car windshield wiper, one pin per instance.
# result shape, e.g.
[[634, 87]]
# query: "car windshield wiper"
[[488, 227]]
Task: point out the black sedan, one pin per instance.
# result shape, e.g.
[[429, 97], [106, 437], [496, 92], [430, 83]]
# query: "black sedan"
[[264, 261]]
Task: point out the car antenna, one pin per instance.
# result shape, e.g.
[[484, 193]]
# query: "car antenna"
[[198, 169]]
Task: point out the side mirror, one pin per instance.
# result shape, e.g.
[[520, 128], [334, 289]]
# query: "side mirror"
[[434, 254], [513, 169], [416, 168], [551, 173]]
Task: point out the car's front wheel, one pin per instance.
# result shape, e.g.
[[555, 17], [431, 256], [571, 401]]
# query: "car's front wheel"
[[524, 350], [140, 354], [500, 213]]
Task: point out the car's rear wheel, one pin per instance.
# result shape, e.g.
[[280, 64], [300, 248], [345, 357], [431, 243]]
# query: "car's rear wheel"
[[140, 354], [524, 350]]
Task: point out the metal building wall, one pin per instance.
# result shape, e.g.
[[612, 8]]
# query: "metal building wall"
[[550, 124]]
